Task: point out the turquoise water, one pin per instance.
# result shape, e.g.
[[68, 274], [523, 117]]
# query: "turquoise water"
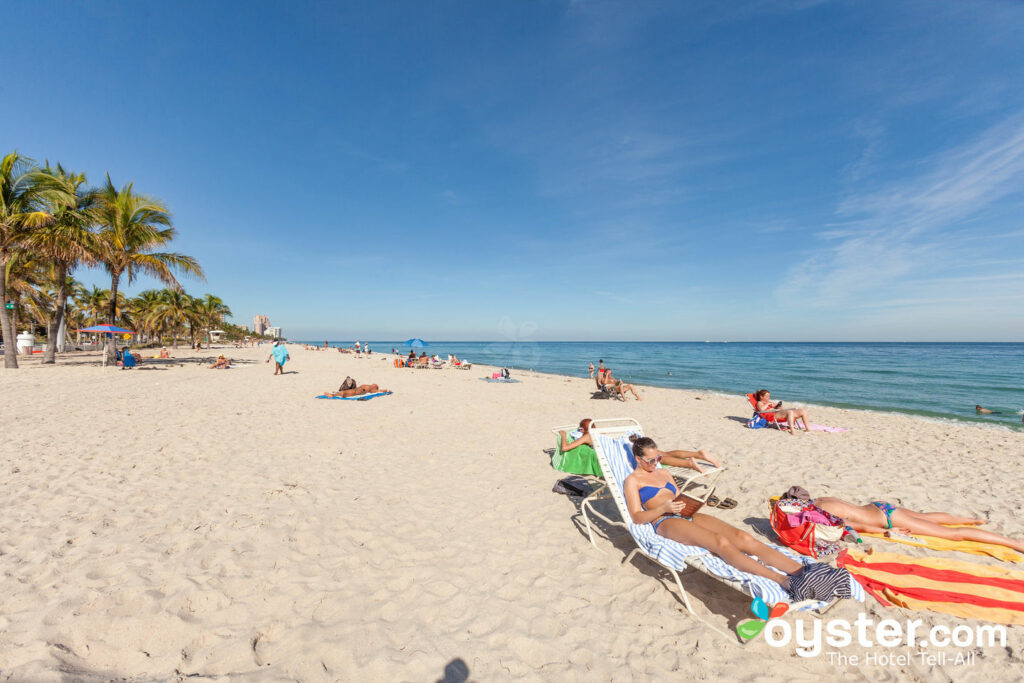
[[936, 380]]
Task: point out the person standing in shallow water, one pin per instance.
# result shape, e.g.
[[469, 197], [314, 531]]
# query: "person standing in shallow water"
[[280, 355]]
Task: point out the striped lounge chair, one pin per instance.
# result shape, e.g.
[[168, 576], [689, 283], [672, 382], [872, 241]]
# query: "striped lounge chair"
[[612, 446]]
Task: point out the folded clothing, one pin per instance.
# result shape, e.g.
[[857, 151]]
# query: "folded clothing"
[[821, 582]]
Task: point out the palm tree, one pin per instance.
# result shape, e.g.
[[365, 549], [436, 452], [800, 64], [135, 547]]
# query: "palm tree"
[[26, 279], [174, 312], [94, 302], [67, 242], [22, 196], [211, 311], [132, 227], [144, 309]]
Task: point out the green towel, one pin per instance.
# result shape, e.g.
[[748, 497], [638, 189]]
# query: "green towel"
[[580, 460]]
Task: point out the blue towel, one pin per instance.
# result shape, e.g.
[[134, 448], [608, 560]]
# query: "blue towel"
[[498, 379], [364, 397]]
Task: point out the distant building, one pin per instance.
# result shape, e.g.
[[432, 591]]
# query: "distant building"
[[274, 332], [260, 323]]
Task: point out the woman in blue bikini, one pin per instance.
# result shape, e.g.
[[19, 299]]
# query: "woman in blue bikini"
[[650, 498], [878, 517]]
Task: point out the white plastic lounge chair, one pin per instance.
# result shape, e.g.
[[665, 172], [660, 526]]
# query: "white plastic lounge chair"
[[612, 447]]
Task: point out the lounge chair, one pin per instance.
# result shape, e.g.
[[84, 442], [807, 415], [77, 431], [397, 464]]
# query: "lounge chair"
[[612, 447], [770, 418]]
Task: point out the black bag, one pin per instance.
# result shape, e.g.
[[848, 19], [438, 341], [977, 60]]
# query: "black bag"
[[349, 383]]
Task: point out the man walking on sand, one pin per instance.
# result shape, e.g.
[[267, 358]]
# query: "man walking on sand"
[[280, 355]]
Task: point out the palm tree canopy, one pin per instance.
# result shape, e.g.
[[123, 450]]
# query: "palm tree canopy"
[[68, 238], [133, 227], [24, 195]]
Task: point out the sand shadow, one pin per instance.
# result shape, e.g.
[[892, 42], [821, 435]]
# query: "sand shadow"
[[763, 527], [455, 671], [741, 420], [716, 597]]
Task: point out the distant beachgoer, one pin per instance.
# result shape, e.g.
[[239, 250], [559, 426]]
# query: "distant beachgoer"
[[221, 363], [880, 517], [591, 370], [368, 351], [788, 415], [361, 390], [423, 357], [280, 355], [986, 411], [412, 356], [600, 365], [128, 361], [610, 385], [164, 353]]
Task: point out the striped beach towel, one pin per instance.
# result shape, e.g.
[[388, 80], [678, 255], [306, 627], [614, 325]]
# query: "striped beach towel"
[[678, 556], [1000, 552], [953, 587]]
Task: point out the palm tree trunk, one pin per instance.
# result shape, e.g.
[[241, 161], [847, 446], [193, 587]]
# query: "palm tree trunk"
[[53, 329], [111, 348], [10, 340]]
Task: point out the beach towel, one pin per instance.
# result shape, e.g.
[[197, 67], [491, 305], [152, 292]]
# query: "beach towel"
[[364, 397], [954, 587], [580, 460], [498, 379], [1000, 552], [827, 429]]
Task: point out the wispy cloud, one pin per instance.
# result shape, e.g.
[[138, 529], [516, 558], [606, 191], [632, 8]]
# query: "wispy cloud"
[[893, 234]]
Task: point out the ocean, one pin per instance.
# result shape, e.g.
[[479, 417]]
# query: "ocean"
[[936, 380]]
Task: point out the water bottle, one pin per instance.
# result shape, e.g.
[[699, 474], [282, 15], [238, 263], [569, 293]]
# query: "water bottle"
[[852, 536]]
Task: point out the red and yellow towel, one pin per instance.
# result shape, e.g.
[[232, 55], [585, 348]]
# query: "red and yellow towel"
[[924, 583], [1000, 552]]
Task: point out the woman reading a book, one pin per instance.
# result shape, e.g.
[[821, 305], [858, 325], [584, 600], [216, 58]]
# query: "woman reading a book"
[[652, 498]]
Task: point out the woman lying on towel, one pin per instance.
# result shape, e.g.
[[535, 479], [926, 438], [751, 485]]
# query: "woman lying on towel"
[[787, 415], [671, 458], [650, 498], [879, 517], [348, 389]]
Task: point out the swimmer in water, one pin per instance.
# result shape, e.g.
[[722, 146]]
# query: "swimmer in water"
[[986, 411]]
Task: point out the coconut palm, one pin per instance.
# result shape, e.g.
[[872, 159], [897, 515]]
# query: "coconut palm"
[[132, 227], [26, 279], [144, 309], [174, 311], [23, 194], [67, 241], [211, 311], [94, 302]]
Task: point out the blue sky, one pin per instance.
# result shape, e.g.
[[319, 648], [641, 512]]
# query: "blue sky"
[[793, 170]]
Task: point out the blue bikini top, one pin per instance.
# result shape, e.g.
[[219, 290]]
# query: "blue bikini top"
[[654, 490]]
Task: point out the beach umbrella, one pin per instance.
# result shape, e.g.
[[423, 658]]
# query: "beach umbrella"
[[416, 343], [107, 329]]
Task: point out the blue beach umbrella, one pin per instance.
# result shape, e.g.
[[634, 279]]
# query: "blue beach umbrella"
[[416, 343], [108, 329]]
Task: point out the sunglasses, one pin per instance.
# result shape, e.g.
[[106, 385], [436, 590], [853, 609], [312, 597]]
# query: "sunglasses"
[[651, 461]]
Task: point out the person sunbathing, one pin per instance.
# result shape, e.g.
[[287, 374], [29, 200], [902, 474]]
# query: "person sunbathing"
[[221, 363], [164, 353], [651, 499], [787, 415], [619, 386], [360, 390], [880, 517], [677, 458]]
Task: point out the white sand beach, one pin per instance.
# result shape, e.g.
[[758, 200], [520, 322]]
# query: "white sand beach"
[[175, 521]]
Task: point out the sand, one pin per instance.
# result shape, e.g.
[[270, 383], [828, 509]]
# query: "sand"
[[176, 521]]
